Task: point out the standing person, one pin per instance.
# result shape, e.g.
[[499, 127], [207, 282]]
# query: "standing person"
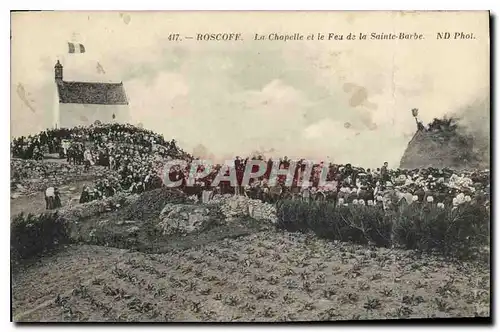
[[384, 172], [57, 198], [87, 155], [49, 198], [85, 196], [237, 166]]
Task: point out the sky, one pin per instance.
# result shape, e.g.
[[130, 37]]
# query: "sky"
[[342, 101]]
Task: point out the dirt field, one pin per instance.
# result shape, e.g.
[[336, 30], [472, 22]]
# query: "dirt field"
[[266, 276]]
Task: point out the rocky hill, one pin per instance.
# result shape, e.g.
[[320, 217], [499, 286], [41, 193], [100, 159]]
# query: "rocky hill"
[[444, 143]]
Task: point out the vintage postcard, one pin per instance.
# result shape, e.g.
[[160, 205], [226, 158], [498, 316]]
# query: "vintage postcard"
[[250, 166]]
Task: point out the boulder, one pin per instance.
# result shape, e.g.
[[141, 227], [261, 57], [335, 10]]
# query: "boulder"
[[184, 218], [233, 207], [133, 230]]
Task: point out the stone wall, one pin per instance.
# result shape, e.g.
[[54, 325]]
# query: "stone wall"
[[240, 206]]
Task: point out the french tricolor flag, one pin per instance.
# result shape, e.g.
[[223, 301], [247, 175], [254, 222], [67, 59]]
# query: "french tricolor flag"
[[76, 48]]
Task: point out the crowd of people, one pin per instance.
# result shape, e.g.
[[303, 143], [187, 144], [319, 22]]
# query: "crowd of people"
[[130, 152], [136, 156], [346, 184]]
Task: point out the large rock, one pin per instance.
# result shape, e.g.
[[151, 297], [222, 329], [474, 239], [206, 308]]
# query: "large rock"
[[184, 218], [446, 147], [241, 206], [82, 211]]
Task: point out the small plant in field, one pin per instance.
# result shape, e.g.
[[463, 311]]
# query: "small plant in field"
[[191, 286], [174, 282], [210, 278], [386, 292], [249, 250], [141, 306], [481, 311], [271, 268], [415, 266], [321, 278], [261, 253], [349, 298], [159, 292], [442, 305], [403, 312], [353, 272], [302, 262], [412, 300], [208, 315], [119, 272], [122, 317], [320, 266], [341, 283], [195, 306], [110, 291], [235, 316], [248, 307], [336, 270], [304, 275], [205, 291], [287, 317], [291, 284], [266, 294], [372, 304], [329, 293], [72, 314], [309, 306], [363, 286], [420, 284], [484, 283], [154, 313], [61, 300], [306, 286], [273, 280], [268, 312], [81, 291], [218, 296], [448, 289], [259, 277], [257, 263], [99, 305], [221, 282], [252, 290], [289, 299], [328, 314], [97, 281], [187, 269]]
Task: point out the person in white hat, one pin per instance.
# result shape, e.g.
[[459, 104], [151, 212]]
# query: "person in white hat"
[[49, 198]]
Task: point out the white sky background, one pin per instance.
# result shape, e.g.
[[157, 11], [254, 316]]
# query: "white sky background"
[[237, 97]]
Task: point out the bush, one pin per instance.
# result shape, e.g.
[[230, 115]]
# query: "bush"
[[452, 232], [345, 223], [150, 203], [33, 234]]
